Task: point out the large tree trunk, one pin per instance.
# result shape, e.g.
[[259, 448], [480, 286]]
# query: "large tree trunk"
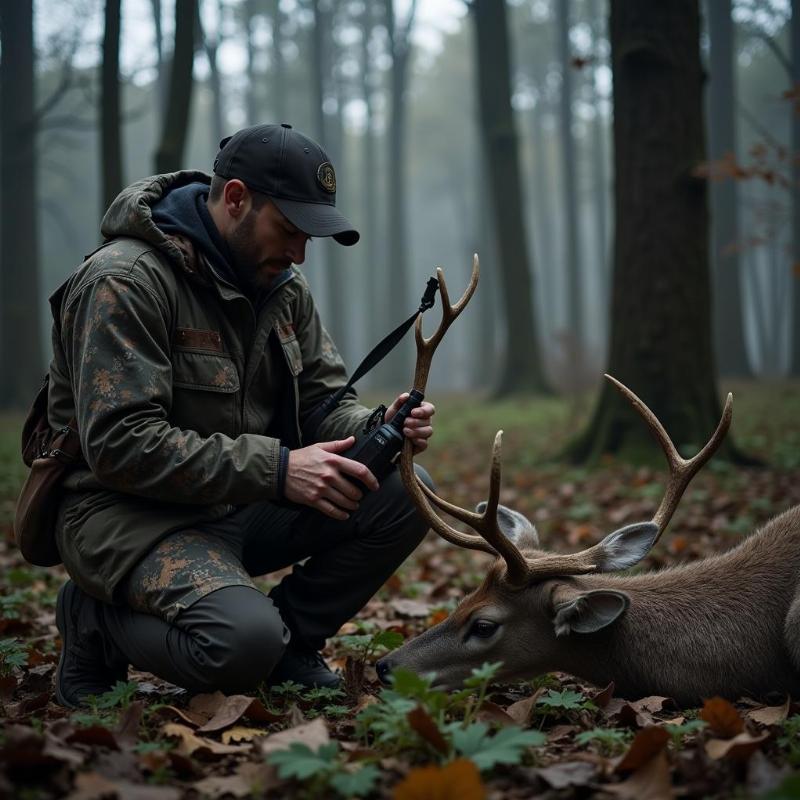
[[376, 319], [572, 244], [211, 47], [661, 305], [795, 339], [521, 370], [396, 370], [161, 71], [727, 294], [251, 103], [111, 134], [278, 63], [169, 156], [21, 365]]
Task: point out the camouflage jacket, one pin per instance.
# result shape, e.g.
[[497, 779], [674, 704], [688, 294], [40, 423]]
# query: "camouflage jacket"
[[182, 392]]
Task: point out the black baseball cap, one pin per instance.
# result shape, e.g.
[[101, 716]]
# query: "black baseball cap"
[[293, 171]]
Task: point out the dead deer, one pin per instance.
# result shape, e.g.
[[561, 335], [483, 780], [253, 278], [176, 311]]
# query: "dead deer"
[[726, 625]]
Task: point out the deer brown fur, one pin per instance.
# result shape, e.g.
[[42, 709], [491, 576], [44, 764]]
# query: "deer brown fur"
[[726, 625]]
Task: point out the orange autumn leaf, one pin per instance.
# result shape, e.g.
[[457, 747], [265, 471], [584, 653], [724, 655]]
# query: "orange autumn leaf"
[[422, 722], [459, 780], [722, 718]]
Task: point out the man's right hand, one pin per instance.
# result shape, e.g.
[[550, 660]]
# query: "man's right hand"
[[318, 477]]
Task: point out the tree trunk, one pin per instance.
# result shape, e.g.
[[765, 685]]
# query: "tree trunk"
[[661, 304], [21, 362], [599, 162], [111, 135], [794, 25], [726, 283], [251, 105], [210, 47], [169, 156], [396, 370], [278, 64], [161, 71], [375, 314], [572, 244], [521, 370]]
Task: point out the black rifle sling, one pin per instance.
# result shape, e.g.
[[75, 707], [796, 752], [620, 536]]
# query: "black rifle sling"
[[375, 356]]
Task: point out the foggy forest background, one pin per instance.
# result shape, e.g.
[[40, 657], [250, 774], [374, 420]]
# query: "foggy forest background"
[[392, 89]]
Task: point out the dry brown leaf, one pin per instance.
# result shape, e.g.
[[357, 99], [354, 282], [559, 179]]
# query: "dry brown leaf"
[[653, 704], [623, 713], [603, 697], [207, 704], [95, 736], [410, 608], [187, 715], [93, 786], [722, 717], [128, 726], [567, 773], [241, 734], [647, 743], [651, 781], [233, 708], [739, 748], [521, 711], [312, 734], [190, 744], [458, 780], [770, 715], [420, 721], [491, 712], [251, 778]]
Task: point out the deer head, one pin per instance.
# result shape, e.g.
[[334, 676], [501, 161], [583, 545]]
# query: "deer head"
[[535, 609]]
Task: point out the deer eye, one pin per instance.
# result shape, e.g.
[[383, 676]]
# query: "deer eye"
[[483, 628]]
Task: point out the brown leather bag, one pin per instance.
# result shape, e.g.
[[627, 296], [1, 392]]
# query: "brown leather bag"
[[49, 454]]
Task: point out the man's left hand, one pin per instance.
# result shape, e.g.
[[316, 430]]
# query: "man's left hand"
[[418, 426]]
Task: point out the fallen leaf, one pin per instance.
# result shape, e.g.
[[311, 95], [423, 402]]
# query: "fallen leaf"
[[647, 743], [722, 717], [187, 715], [458, 780], [739, 748], [603, 697], [567, 773], [127, 730], [233, 708], [93, 786], [491, 712], [312, 734], [521, 711], [410, 608], [650, 781], [420, 721], [770, 715], [440, 615], [653, 704], [242, 734], [193, 745], [93, 735], [624, 713]]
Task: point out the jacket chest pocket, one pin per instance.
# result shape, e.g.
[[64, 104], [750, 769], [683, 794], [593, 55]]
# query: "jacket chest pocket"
[[291, 348], [205, 391]]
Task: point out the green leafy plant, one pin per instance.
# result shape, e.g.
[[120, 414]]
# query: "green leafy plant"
[[507, 746], [13, 655], [678, 732], [554, 702], [789, 740], [322, 769], [608, 741], [363, 646], [103, 709]]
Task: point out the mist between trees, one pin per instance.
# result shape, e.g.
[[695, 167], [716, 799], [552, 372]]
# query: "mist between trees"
[[489, 127]]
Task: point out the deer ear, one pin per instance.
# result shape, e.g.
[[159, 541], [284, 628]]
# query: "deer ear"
[[589, 611], [514, 526], [625, 547]]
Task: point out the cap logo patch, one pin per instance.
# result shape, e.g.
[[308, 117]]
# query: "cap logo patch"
[[326, 176]]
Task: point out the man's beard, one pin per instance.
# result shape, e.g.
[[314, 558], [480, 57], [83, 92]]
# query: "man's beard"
[[253, 275]]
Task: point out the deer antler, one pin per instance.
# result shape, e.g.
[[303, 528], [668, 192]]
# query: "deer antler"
[[522, 570]]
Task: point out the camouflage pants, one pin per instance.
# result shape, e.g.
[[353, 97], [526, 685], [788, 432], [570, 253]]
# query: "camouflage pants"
[[343, 563]]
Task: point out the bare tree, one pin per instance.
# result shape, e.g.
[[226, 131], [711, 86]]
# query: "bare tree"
[[111, 134], [521, 370], [794, 28], [211, 46], [20, 329], [661, 305], [575, 320], [727, 295], [169, 155]]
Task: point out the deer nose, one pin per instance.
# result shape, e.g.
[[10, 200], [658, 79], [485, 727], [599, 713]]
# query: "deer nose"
[[383, 668]]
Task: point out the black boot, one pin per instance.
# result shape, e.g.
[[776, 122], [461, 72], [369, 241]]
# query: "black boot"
[[89, 663], [305, 666]]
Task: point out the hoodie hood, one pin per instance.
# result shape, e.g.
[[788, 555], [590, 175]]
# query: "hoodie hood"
[[131, 214]]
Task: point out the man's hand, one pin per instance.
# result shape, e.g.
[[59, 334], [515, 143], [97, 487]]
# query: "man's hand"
[[317, 477], [418, 426]]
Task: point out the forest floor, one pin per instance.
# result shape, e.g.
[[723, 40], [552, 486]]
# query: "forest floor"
[[553, 736]]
